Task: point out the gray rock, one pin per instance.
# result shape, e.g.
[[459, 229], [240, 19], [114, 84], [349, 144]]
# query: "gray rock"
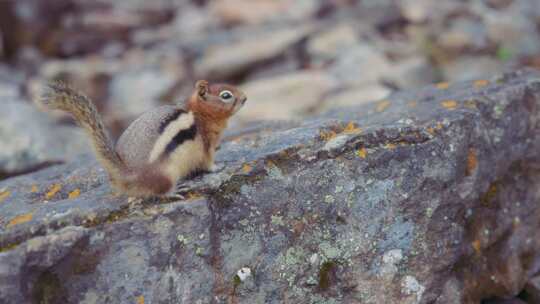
[[382, 203], [471, 68], [411, 73], [287, 96], [238, 12], [221, 60], [532, 289], [30, 139], [511, 30], [465, 34], [361, 65], [353, 97], [330, 43]]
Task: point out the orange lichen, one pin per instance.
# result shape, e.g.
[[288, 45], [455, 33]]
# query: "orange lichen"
[[431, 130], [4, 194], [449, 104], [362, 153], [140, 300], [382, 105], [472, 161], [74, 194], [20, 219], [34, 189], [481, 83], [442, 85], [477, 245], [246, 168], [53, 190], [352, 128], [412, 104], [193, 196], [327, 135]]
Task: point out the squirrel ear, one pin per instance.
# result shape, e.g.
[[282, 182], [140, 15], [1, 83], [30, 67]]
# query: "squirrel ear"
[[202, 88]]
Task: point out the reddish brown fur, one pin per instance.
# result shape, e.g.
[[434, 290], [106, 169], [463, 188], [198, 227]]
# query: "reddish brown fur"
[[211, 116]]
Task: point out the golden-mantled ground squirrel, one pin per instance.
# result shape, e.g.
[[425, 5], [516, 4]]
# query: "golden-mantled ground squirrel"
[[163, 145]]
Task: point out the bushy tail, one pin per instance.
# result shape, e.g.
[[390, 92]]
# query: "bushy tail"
[[59, 96]]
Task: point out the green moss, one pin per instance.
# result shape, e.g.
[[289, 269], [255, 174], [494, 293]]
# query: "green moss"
[[504, 53], [236, 281], [490, 194], [48, 289], [326, 274], [9, 247]]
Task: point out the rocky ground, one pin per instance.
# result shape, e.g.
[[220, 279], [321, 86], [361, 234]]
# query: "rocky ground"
[[295, 58], [422, 197]]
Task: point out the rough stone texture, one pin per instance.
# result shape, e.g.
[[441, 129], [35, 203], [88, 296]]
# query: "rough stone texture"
[[29, 139], [426, 197]]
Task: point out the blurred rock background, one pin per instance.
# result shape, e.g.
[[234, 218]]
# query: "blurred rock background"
[[293, 58]]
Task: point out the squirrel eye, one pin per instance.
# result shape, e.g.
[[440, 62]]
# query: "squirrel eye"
[[226, 96]]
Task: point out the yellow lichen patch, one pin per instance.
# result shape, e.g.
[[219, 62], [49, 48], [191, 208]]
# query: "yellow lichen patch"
[[140, 300], [327, 135], [449, 104], [477, 246], [53, 190], [472, 161], [246, 168], [352, 128], [439, 126], [34, 189], [4, 194], [471, 104], [412, 104], [481, 83], [390, 146], [74, 194], [20, 219], [362, 153], [382, 105], [442, 85], [193, 196]]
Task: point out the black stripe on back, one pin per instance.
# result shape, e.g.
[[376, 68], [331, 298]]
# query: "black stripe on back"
[[181, 137], [170, 119]]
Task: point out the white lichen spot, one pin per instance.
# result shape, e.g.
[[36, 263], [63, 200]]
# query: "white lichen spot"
[[339, 189], [393, 256], [336, 142], [389, 263], [411, 286], [243, 273], [182, 239], [277, 220], [244, 222], [312, 281], [201, 236], [429, 212], [329, 199], [314, 258]]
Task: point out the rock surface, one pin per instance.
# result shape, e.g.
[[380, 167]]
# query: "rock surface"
[[30, 140], [426, 197]]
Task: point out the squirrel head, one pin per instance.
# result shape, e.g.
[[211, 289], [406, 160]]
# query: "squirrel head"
[[217, 100]]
